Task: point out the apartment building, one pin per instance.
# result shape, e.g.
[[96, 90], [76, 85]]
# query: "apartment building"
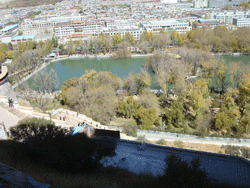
[[166, 25], [223, 3], [245, 22], [80, 27], [119, 23], [134, 31], [200, 3], [228, 17]]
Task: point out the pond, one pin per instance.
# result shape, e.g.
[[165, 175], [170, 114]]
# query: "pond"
[[69, 68]]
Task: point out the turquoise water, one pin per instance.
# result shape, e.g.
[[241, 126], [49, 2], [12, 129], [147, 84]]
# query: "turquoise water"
[[67, 69]]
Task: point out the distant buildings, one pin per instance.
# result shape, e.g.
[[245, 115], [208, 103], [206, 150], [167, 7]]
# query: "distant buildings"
[[245, 22], [166, 25], [8, 29], [223, 3], [228, 16], [200, 3], [207, 23]]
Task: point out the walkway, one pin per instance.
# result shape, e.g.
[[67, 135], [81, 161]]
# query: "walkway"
[[8, 118]]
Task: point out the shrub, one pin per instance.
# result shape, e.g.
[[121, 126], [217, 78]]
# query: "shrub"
[[143, 139], [178, 144], [36, 128], [161, 142], [232, 150], [53, 147], [179, 174], [130, 130]]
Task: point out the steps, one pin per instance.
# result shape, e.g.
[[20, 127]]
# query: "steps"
[[14, 111]]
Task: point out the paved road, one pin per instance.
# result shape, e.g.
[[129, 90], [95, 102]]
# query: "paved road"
[[153, 136], [8, 118]]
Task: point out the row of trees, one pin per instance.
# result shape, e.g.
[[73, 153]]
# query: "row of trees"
[[220, 39]]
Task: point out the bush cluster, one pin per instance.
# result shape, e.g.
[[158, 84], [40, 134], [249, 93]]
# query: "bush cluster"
[[143, 139], [53, 147], [161, 142], [130, 130]]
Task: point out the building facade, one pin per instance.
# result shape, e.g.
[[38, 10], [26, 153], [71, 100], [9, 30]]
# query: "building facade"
[[245, 22], [166, 25]]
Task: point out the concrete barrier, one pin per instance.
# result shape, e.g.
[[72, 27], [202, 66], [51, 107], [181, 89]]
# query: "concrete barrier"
[[25, 109], [41, 115]]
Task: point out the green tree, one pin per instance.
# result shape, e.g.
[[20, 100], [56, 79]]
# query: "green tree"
[[2, 57], [129, 38], [10, 54], [244, 91], [174, 115], [2, 48], [116, 39], [145, 118], [127, 109]]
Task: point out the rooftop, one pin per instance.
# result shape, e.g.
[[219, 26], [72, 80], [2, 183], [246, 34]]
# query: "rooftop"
[[20, 37], [8, 28]]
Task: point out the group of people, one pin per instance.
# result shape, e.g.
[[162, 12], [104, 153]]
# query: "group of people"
[[64, 118]]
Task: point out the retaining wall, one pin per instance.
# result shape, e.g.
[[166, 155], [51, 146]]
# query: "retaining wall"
[[222, 168]]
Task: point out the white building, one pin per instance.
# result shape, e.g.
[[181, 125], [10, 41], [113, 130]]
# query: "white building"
[[166, 25], [245, 22], [200, 3], [135, 32], [169, 1], [228, 17], [79, 27], [119, 23]]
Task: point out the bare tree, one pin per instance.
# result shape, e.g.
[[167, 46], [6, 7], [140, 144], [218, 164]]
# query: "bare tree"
[[46, 81]]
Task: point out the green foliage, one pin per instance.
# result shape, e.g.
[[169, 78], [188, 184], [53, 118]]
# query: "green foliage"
[[161, 142], [178, 144], [178, 173], [127, 108], [145, 118], [2, 57], [143, 139], [174, 115], [10, 54], [116, 39], [130, 130], [129, 38]]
